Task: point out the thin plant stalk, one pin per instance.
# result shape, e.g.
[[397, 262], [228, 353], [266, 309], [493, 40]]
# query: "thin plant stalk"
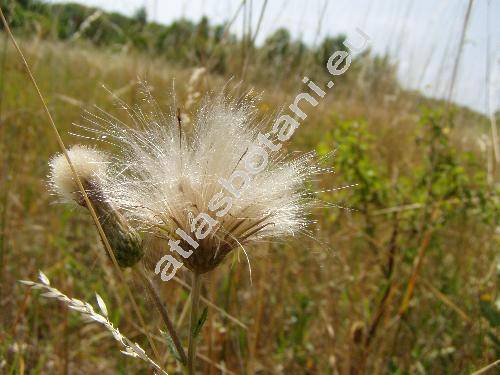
[[459, 52], [212, 305], [89, 205], [195, 293], [211, 328], [487, 368], [164, 314], [184, 311], [254, 334]]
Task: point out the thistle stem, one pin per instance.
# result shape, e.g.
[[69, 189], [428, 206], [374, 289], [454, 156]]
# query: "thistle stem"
[[164, 314], [195, 297]]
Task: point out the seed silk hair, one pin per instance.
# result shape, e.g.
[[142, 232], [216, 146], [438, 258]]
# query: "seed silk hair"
[[163, 176]]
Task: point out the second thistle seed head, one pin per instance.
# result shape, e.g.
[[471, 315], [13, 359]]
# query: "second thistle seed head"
[[91, 167]]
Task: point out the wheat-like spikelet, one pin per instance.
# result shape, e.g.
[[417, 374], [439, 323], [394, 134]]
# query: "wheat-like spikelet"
[[193, 94], [86, 309]]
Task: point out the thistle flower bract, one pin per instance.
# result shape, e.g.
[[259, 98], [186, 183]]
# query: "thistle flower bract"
[[221, 185], [91, 166]]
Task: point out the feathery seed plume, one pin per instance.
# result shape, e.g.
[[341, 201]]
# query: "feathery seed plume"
[[221, 186]]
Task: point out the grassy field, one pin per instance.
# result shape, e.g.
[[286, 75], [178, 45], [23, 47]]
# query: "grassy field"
[[401, 278]]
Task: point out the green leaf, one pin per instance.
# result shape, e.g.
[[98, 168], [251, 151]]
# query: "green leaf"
[[201, 321]]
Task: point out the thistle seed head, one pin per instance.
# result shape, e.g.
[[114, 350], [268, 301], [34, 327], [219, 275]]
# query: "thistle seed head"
[[165, 178]]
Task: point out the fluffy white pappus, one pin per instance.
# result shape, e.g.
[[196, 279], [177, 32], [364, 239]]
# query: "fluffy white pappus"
[[165, 176], [90, 165]]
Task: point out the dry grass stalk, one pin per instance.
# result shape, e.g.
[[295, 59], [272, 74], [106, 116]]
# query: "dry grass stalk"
[[195, 299], [486, 369], [490, 104], [259, 311], [459, 52], [416, 266], [443, 298], [164, 314], [213, 306], [78, 181]]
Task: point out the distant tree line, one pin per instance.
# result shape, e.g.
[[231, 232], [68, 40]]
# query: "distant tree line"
[[183, 42]]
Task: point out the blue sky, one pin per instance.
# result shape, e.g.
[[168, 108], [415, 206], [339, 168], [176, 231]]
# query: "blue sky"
[[421, 35]]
